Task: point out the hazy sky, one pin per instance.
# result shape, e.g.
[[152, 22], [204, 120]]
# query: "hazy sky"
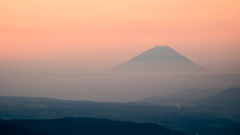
[[113, 31]]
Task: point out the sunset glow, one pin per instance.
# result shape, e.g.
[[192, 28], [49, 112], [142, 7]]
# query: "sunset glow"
[[204, 30]]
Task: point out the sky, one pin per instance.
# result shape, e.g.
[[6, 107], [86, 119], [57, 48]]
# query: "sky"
[[107, 32]]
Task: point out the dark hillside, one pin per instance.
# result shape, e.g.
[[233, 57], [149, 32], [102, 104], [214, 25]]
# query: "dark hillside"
[[92, 126]]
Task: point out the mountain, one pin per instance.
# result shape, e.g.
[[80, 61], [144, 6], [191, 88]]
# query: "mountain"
[[91, 126], [13, 129], [159, 59], [229, 97], [183, 97], [226, 103]]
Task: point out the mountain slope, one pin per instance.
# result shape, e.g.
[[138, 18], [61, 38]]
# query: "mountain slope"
[[92, 126], [229, 97], [182, 97], [9, 129], [159, 59]]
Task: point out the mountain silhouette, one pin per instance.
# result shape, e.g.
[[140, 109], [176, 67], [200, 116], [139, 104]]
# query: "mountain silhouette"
[[183, 97], [13, 129], [91, 126], [159, 59], [229, 97]]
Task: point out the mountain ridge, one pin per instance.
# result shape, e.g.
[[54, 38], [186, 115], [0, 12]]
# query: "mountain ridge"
[[183, 97], [229, 97], [91, 126]]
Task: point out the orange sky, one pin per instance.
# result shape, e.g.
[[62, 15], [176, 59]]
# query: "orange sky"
[[206, 31]]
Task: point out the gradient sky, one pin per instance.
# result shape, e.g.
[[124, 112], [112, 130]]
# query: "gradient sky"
[[113, 31]]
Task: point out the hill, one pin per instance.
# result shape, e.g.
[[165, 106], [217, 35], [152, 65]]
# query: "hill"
[[91, 126], [13, 129], [183, 97], [229, 97]]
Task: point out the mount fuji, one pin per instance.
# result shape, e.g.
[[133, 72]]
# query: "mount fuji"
[[159, 59]]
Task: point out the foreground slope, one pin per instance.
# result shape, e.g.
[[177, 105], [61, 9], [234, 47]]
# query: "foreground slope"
[[159, 59], [13, 129], [91, 126]]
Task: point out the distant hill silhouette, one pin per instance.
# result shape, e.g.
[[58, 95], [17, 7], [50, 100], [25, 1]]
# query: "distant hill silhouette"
[[159, 59], [183, 97], [91, 126], [229, 97]]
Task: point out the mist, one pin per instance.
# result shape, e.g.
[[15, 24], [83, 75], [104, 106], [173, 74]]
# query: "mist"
[[73, 81], [124, 67]]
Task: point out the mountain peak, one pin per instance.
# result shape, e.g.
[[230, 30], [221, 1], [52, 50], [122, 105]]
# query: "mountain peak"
[[160, 47], [159, 59]]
